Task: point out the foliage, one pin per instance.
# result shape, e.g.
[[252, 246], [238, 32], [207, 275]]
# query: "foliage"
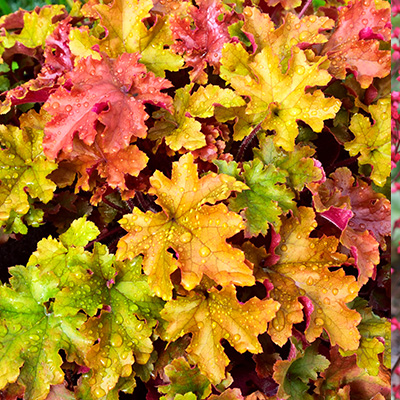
[[210, 178]]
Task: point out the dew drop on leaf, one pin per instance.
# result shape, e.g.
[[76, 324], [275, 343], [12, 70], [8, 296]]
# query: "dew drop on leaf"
[[319, 321], [116, 340], [99, 392], [236, 337], [186, 237], [205, 251]]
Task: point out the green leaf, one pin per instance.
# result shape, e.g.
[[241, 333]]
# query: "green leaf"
[[37, 27], [80, 233], [372, 141], [23, 166], [184, 379], [373, 330], [298, 164], [124, 327], [267, 198], [31, 335], [294, 376]]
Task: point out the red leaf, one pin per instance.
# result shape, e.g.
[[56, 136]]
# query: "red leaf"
[[204, 43], [354, 45], [111, 91]]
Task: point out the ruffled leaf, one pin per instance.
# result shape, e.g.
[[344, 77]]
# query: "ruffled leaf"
[[195, 231], [212, 318]]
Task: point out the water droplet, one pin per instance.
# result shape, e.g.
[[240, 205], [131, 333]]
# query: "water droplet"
[[319, 321], [335, 291], [186, 237], [310, 281], [248, 12], [300, 70], [236, 338], [327, 301], [284, 247], [116, 340], [205, 251], [99, 392]]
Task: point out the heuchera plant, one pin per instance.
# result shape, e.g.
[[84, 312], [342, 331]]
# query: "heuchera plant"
[[214, 175]]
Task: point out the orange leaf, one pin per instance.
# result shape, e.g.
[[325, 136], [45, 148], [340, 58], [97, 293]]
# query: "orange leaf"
[[211, 319], [303, 272], [355, 43], [195, 231]]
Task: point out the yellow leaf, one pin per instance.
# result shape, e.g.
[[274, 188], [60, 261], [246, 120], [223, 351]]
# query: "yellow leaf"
[[195, 231]]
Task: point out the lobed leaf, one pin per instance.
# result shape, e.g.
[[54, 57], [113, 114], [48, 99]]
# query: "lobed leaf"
[[281, 97], [24, 167], [109, 91], [372, 141], [215, 317], [302, 272], [195, 231], [267, 198]]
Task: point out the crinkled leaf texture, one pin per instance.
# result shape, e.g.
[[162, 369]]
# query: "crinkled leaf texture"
[[95, 283], [215, 317], [355, 43], [31, 337], [111, 92], [195, 231], [278, 95], [372, 141], [24, 167], [181, 129], [267, 199], [183, 379], [204, 43], [301, 278]]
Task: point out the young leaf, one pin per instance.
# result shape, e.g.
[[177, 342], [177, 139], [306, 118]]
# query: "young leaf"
[[24, 168], [298, 165], [372, 141], [281, 97], [111, 91], [183, 379], [267, 198], [194, 230], [31, 336], [211, 319], [302, 271], [181, 129], [293, 376]]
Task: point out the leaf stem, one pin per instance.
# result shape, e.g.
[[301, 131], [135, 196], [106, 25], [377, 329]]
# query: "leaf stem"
[[114, 206], [145, 203], [246, 142], [304, 9]]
